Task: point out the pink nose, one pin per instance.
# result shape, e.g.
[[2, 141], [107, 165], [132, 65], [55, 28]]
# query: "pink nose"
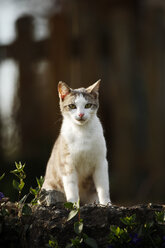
[[81, 115]]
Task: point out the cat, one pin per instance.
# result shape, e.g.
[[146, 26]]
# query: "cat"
[[78, 166]]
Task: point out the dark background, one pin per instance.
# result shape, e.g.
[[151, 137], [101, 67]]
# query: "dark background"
[[123, 43]]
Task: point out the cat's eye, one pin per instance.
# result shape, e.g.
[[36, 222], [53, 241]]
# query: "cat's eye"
[[72, 106], [88, 105]]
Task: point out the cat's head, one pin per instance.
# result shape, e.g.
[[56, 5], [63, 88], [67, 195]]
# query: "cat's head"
[[80, 105]]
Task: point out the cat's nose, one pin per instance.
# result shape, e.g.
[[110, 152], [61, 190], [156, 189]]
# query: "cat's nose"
[[81, 115]]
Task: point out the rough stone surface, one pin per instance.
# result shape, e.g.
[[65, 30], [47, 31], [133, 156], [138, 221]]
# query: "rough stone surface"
[[50, 197], [35, 230]]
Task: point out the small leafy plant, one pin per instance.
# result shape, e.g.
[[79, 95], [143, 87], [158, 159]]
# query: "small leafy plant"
[[129, 221], [74, 209], [81, 239], [53, 242], [36, 192], [24, 208], [21, 175], [160, 217], [134, 234]]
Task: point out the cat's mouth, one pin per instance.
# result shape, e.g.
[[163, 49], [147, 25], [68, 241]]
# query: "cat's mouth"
[[81, 120]]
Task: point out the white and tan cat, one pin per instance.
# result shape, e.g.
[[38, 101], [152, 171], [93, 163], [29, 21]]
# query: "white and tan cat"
[[78, 166]]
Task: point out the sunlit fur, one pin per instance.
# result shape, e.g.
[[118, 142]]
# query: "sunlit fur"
[[78, 165]]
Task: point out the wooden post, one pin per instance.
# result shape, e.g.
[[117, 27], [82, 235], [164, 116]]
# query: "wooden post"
[[60, 47], [121, 23], [153, 70], [27, 52]]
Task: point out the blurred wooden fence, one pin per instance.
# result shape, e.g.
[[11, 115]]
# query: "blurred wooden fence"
[[122, 43]]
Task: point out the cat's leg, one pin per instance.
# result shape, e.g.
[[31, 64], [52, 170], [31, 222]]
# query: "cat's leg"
[[47, 185], [101, 180], [70, 182]]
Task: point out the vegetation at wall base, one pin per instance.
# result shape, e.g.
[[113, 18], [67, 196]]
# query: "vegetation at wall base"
[[29, 224]]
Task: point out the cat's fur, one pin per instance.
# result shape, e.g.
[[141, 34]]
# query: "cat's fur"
[[78, 165]]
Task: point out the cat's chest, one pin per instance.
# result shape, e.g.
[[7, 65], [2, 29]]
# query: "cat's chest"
[[86, 146], [83, 154], [81, 145]]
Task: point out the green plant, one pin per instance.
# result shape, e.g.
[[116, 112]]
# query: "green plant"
[[53, 242], [21, 175], [160, 217], [1, 177], [81, 239], [36, 192], [133, 234], [126, 236], [74, 209], [118, 235], [129, 220], [23, 208]]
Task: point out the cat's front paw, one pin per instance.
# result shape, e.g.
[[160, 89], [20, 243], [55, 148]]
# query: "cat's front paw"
[[73, 200], [109, 204], [106, 202]]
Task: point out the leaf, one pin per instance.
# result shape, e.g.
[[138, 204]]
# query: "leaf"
[[91, 242], [26, 210], [19, 172], [148, 225], [21, 185], [68, 205], [72, 214], [33, 191], [34, 201], [15, 172], [24, 199], [53, 242], [1, 177], [19, 166], [77, 241], [16, 185], [117, 231], [40, 181], [78, 227], [77, 204], [113, 228], [160, 216], [129, 220]]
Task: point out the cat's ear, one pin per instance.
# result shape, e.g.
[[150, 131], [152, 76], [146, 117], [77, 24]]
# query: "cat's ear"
[[94, 88], [63, 90]]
